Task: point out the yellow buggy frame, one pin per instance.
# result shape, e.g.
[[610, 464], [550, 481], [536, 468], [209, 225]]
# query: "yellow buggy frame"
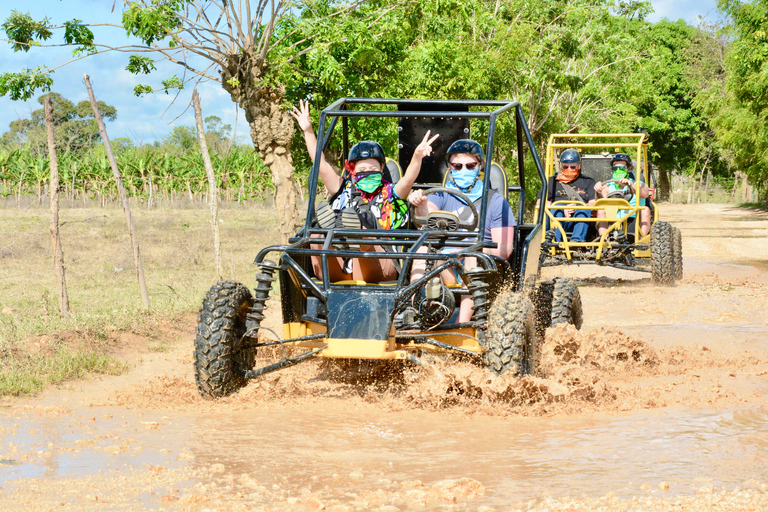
[[622, 245]]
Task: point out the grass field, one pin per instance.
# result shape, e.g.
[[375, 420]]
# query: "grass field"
[[177, 255]]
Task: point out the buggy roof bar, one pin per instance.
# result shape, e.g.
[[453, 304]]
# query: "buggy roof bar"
[[337, 109]]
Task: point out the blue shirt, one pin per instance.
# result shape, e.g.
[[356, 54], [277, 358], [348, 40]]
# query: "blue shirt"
[[499, 212]]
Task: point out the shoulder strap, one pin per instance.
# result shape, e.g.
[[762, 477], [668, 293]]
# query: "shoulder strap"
[[571, 192], [466, 212]]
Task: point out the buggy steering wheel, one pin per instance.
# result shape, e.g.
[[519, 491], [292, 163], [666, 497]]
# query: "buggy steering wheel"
[[420, 221], [619, 193]]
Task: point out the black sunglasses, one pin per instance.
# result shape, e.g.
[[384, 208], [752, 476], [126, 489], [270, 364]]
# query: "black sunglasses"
[[458, 167]]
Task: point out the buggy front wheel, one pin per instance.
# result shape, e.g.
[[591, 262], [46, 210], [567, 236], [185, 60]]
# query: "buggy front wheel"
[[662, 254], [511, 344], [220, 362]]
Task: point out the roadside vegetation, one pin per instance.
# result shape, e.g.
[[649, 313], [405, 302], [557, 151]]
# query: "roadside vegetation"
[[38, 346]]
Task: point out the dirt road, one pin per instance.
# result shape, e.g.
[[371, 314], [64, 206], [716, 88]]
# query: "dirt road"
[[659, 402]]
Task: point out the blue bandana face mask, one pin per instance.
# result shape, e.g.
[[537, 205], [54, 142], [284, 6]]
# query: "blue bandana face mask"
[[464, 178]]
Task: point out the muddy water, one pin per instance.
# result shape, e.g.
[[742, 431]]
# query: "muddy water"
[[337, 453], [662, 393]]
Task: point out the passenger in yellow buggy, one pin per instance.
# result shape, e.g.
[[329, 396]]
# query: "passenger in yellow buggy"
[[623, 185], [361, 198]]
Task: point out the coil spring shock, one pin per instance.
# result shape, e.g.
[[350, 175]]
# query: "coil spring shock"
[[264, 280], [479, 290]]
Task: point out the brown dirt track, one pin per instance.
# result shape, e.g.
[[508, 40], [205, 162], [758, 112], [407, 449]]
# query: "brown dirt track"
[[658, 403]]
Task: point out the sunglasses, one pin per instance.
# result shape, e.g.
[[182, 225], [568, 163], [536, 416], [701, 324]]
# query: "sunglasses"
[[458, 167], [619, 168], [569, 166]]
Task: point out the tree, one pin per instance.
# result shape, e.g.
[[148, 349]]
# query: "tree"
[[743, 126], [226, 42], [663, 96], [75, 126]]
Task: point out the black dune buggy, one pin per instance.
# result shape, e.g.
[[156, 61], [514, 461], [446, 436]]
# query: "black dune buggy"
[[399, 320]]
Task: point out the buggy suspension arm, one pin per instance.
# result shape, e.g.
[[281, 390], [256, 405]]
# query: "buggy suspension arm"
[[285, 363], [425, 340]]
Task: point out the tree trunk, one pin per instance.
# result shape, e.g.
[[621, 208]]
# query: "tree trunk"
[[735, 186], [151, 191], [58, 254], [706, 186], [121, 190], [271, 129], [213, 193], [664, 188]]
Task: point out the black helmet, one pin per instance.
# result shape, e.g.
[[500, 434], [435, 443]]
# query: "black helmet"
[[570, 156], [367, 149], [622, 156], [465, 146]]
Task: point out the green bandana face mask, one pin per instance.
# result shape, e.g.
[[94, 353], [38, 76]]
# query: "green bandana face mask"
[[620, 173], [369, 183]]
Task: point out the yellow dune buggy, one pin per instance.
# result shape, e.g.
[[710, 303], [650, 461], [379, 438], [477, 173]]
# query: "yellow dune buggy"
[[402, 320], [622, 245]]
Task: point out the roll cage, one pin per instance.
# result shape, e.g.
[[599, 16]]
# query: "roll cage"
[[308, 298]]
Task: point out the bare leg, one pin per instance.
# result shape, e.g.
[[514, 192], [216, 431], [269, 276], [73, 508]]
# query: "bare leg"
[[467, 305], [645, 221], [373, 270], [602, 227], [335, 265]]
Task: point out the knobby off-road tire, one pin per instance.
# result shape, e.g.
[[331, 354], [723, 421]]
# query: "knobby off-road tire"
[[558, 301], [543, 303], [677, 247], [662, 254], [510, 341], [566, 304], [220, 365]]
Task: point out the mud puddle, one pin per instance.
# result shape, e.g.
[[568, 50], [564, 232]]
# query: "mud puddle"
[[338, 455]]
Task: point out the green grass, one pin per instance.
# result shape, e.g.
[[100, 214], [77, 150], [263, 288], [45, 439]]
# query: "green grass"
[[177, 255], [24, 374]]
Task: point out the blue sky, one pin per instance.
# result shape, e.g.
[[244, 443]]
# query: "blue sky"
[[149, 118]]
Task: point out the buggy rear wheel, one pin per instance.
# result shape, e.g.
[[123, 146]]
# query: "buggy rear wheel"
[[511, 344], [662, 254], [677, 248], [558, 301], [220, 364], [566, 304]]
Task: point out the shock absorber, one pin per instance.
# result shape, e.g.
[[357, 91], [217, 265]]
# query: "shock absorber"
[[264, 280], [479, 291]]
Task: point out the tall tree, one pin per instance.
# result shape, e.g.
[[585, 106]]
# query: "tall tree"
[[226, 42], [663, 95]]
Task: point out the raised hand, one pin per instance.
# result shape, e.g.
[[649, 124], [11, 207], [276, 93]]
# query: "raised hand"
[[302, 116], [425, 147]]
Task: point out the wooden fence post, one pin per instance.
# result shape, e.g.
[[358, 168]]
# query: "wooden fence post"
[[58, 254], [121, 190], [213, 193]]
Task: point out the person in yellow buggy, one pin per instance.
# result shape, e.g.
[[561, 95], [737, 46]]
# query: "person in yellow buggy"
[[624, 185]]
